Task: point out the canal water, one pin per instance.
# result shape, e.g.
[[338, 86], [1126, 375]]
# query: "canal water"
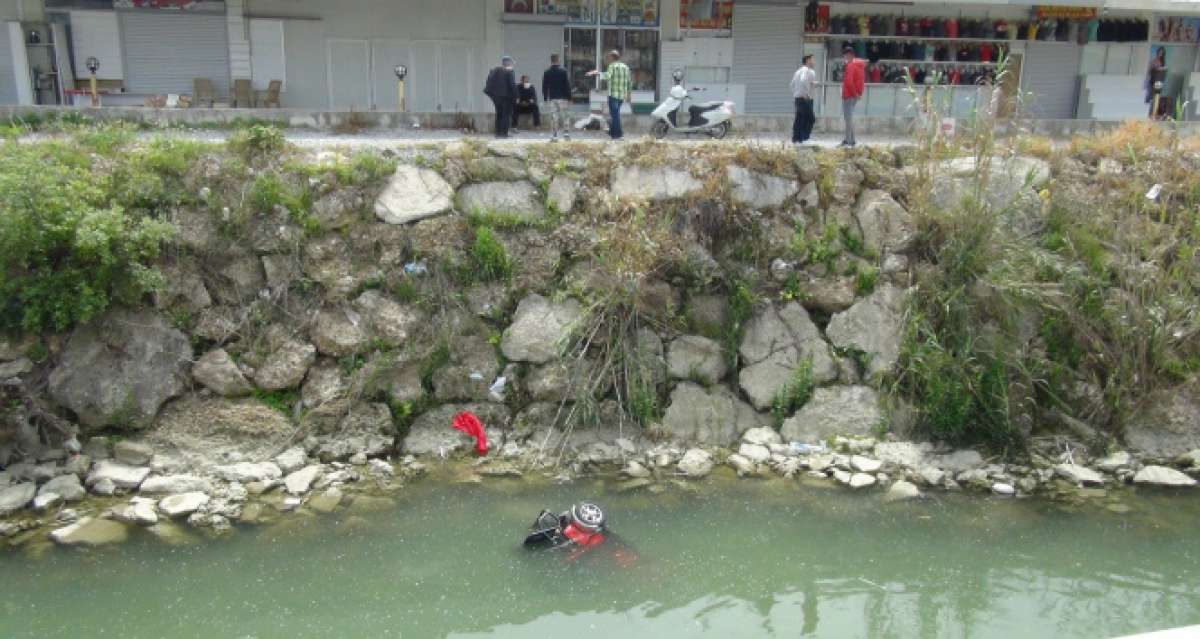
[[723, 559]]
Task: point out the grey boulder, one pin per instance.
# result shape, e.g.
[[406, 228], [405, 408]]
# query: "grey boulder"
[[412, 194], [839, 410], [540, 329], [708, 416]]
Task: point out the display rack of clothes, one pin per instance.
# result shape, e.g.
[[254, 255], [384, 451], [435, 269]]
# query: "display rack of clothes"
[[964, 28], [922, 73], [922, 51]]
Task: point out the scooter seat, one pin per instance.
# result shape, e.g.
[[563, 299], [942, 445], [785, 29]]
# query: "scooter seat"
[[697, 109]]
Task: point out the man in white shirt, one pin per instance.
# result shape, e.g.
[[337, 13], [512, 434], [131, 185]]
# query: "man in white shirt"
[[804, 84]]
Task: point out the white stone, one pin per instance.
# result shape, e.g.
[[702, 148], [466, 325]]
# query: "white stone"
[[121, 475], [414, 193], [932, 475], [901, 491], [90, 531], [865, 464], [381, 467], [173, 484], [1079, 474], [696, 463], [1163, 476], [1001, 488], [140, 511], [46, 500], [1115, 462], [245, 472], [756, 453], [654, 184], [65, 486], [762, 436], [636, 470], [759, 190], [291, 460], [741, 464], [861, 480], [842, 476], [184, 504], [902, 454], [300, 481]]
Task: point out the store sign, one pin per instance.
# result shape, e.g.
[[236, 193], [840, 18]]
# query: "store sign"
[[1068, 13], [1177, 29]]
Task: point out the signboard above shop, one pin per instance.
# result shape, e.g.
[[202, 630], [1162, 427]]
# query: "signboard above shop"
[[1044, 11]]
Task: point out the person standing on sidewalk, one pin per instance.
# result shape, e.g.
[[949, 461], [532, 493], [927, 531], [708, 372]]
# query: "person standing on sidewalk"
[[804, 82], [620, 90], [501, 87], [854, 81], [556, 91]]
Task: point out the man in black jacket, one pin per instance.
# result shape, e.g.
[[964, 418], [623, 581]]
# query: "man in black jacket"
[[556, 91], [501, 87]]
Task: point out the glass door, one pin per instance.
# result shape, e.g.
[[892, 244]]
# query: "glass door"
[[641, 54], [581, 58]]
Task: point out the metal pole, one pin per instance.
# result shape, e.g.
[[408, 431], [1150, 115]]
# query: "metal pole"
[[403, 107], [95, 95]]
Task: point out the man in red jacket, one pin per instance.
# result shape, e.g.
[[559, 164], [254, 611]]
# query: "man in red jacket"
[[853, 84]]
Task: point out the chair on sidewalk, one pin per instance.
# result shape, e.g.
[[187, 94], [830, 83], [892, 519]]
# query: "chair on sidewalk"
[[271, 99], [243, 94], [204, 94]]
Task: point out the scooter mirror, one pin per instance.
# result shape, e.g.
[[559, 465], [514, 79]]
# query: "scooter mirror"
[[678, 75]]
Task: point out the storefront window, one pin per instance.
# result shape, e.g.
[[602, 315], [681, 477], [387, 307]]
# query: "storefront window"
[[577, 11], [639, 13], [581, 58], [641, 54], [706, 14]]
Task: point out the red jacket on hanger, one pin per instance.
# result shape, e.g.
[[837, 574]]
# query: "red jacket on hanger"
[[855, 80]]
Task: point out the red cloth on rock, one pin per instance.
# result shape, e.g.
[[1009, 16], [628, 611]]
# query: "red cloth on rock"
[[468, 423]]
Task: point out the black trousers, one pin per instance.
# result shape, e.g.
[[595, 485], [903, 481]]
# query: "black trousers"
[[522, 109], [802, 126], [504, 115]]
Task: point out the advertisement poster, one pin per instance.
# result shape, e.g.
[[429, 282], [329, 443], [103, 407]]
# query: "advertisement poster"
[[1180, 29]]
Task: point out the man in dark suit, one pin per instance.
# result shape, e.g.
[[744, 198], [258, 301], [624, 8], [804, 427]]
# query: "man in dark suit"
[[501, 87]]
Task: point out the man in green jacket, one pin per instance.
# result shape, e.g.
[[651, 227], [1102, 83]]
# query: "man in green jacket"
[[620, 89]]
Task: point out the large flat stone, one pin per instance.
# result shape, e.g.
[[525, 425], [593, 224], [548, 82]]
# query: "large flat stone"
[[414, 193]]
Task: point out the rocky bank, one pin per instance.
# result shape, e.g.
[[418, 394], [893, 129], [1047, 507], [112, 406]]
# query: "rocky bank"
[[310, 366]]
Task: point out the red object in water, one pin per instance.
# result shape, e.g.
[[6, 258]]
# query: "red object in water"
[[468, 423]]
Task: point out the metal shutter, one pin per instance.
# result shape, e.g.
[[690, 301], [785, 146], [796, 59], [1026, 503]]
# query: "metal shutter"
[[1052, 77], [766, 51], [165, 51], [8, 81], [530, 45]]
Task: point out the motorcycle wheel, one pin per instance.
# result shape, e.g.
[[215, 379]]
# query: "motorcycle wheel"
[[720, 131], [660, 130]]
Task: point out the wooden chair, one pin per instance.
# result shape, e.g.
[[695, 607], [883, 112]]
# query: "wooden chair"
[[243, 94], [203, 92], [271, 99]]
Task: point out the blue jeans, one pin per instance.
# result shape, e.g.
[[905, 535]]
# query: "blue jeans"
[[614, 114]]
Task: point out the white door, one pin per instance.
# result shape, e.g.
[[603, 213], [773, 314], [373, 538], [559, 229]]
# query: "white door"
[[349, 71], [455, 72], [385, 55], [423, 77]]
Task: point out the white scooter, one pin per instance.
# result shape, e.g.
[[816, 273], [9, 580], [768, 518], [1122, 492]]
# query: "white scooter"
[[714, 118]]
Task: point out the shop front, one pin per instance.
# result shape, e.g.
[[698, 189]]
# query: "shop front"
[[581, 31]]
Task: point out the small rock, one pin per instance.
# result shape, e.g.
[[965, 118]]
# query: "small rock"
[[841, 476], [756, 453], [381, 468], [861, 480], [1163, 476], [97, 448], [46, 500], [742, 465], [300, 481], [327, 501], [174, 484], [132, 453], [358, 459], [90, 531], [184, 504], [901, 491], [120, 475], [696, 463], [1115, 462], [246, 472], [104, 487], [1080, 475], [762, 436], [636, 470], [292, 459], [1001, 488], [65, 486], [140, 511], [865, 464]]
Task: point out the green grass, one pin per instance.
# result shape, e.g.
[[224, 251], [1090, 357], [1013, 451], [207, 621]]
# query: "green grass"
[[283, 401], [488, 257], [793, 396]]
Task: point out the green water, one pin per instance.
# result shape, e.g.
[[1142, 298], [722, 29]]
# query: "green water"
[[746, 559]]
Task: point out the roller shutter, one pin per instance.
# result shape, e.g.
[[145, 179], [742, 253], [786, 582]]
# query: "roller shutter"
[[766, 51], [531, 45], [8, 81], [1052, 77], [165, 51]]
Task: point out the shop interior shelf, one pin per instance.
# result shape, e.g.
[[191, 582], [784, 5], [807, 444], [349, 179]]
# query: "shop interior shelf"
[[912, 38], [965, 63]]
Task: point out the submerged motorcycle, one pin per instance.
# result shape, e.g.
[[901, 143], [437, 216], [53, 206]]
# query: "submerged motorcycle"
[[713, 118], [582, 526]]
